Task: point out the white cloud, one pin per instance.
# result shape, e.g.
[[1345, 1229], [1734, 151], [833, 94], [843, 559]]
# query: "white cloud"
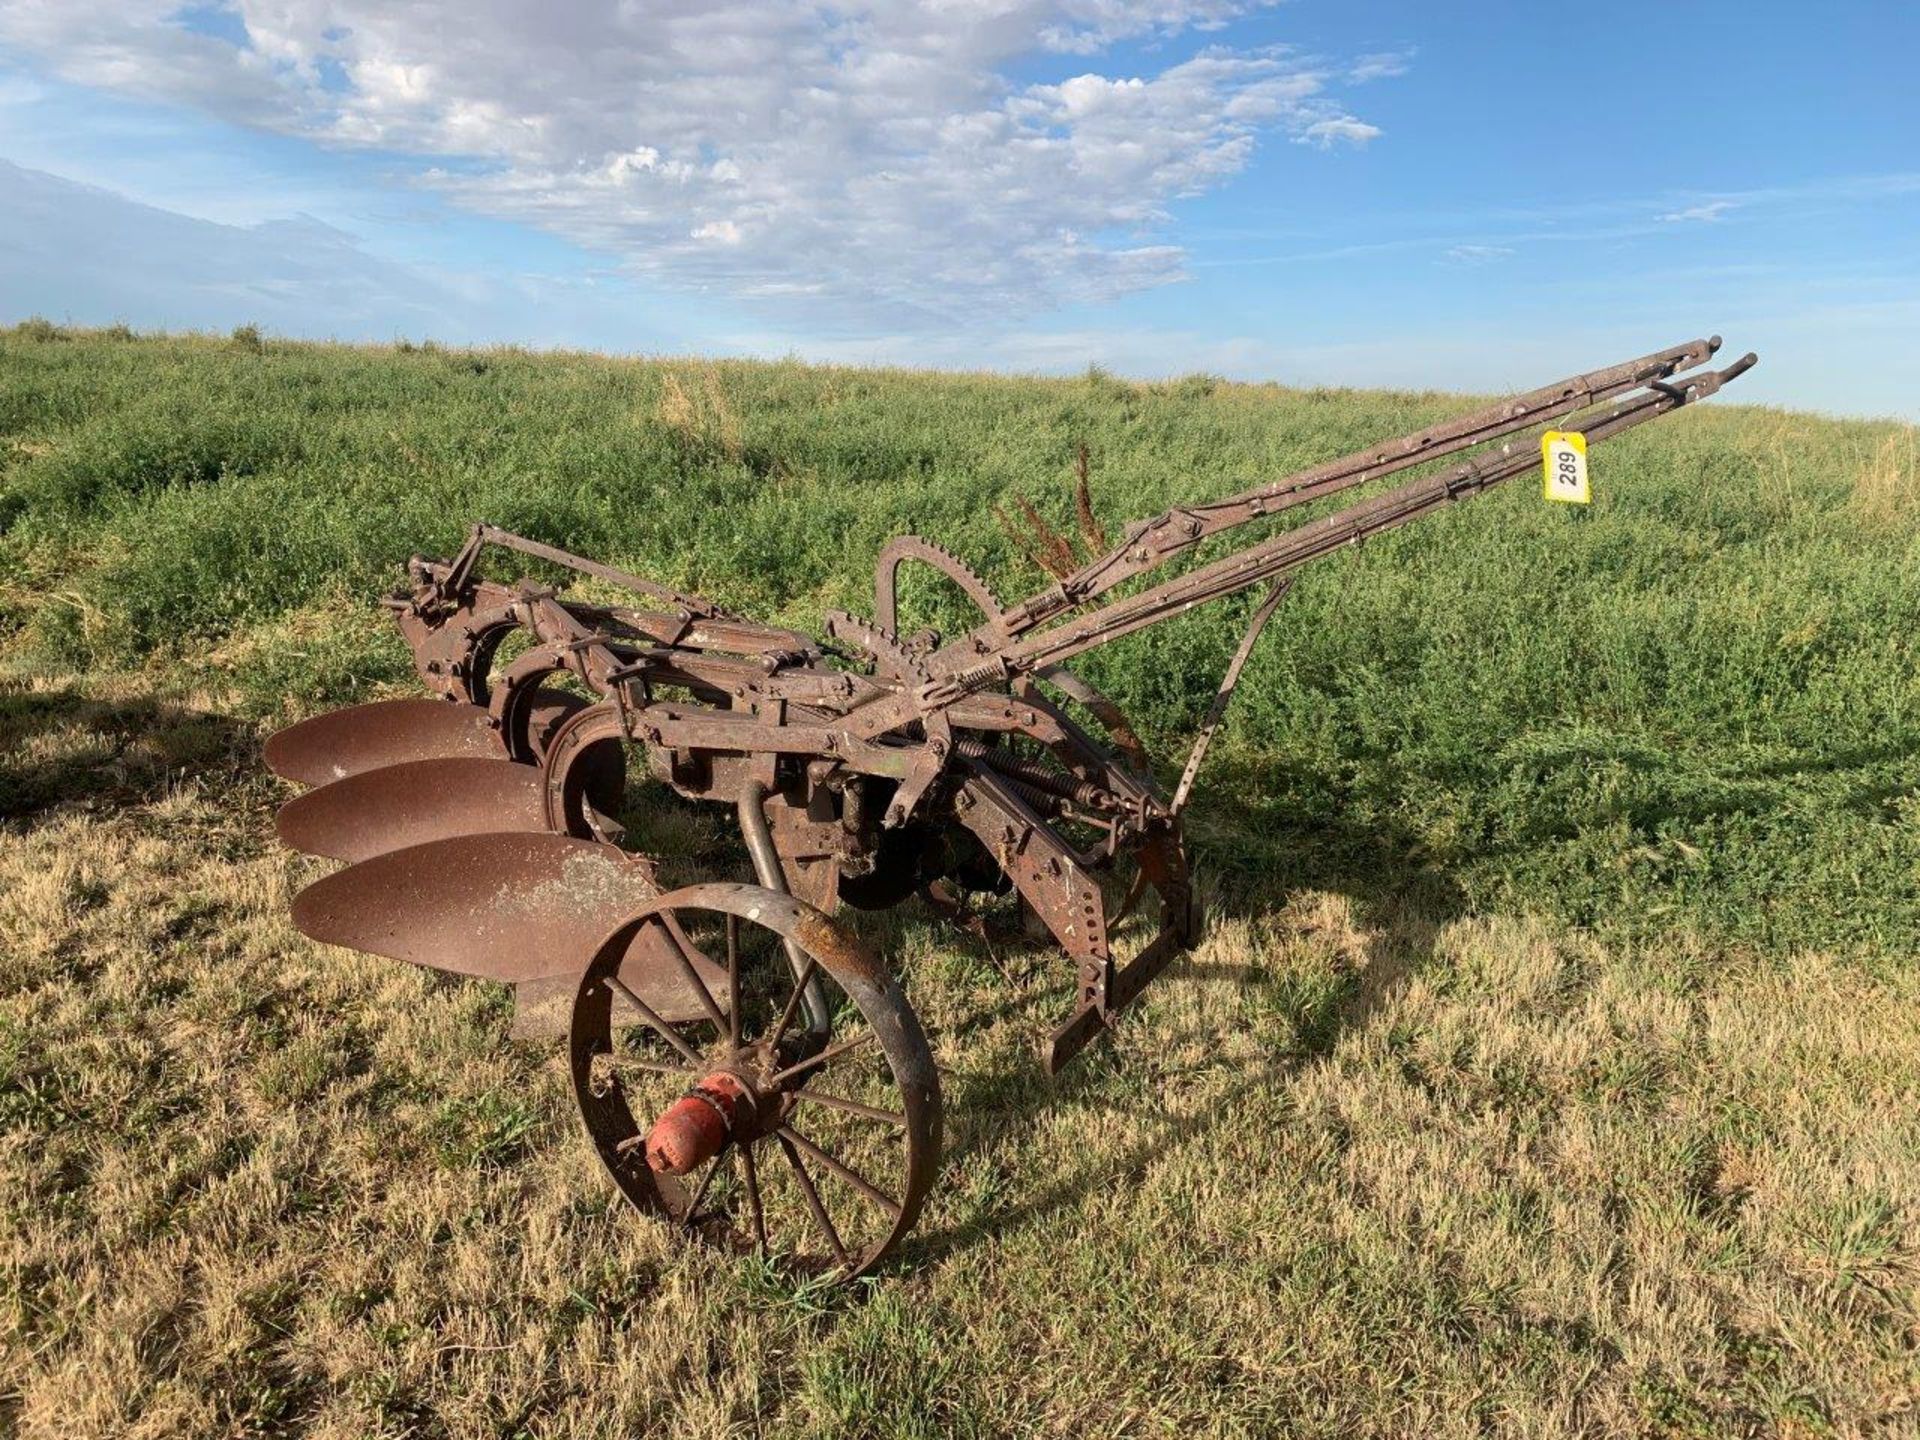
[[871, 155], [1335, 129], [1709, 212], [1381, 66], [1477, 254]]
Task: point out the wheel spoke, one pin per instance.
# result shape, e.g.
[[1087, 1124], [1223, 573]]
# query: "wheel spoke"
[[793, 1002], [852, 1107], [820, 1215], [814, 1062], [752, 1172], [693, 1210], [633, 1062], [652, 1017], [733, 979], [681, 946], [853, 1177]]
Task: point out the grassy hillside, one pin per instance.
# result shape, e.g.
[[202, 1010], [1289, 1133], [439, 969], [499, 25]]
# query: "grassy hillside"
[[1551, 1064]]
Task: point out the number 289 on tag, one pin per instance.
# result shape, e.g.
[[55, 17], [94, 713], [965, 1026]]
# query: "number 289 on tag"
[[1564, 467]]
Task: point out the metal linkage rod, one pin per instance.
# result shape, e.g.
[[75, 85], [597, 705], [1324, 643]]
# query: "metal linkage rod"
[[695, 606], [1216, 712]]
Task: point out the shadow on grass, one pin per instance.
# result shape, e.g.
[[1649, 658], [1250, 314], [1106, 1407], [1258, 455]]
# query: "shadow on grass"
[[1400, 900], [62, 747]]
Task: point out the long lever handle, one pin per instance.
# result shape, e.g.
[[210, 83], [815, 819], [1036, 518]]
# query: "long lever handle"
[[1294, 548], [1151, 543]]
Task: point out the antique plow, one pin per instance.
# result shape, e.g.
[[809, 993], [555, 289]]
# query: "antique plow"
[[744, 1066]]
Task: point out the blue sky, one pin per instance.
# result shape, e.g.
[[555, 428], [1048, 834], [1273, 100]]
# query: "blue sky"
[[1314, 192]]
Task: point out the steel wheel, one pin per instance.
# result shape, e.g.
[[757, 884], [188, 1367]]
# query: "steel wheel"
[[814, 1140]]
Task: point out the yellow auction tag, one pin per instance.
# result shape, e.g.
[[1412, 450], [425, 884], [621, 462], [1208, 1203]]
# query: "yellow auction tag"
[[1563, 455]]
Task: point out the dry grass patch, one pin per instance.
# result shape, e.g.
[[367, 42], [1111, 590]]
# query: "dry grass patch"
[[696, 412], [1887, 490]]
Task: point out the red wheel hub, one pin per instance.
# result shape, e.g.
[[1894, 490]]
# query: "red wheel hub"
[[697, 1126]]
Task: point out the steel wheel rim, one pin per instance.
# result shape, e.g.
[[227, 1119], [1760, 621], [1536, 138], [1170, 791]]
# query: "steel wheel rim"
[[788, 1155]]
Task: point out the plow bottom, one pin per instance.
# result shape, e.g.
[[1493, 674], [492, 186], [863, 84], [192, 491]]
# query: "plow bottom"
[[342, 743], [412, 803], [523, 907]]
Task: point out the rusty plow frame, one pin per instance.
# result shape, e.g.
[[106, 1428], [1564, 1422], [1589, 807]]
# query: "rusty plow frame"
[[794, 1105]]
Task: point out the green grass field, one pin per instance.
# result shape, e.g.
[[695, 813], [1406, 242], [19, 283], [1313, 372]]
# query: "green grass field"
[[1551, 1065]]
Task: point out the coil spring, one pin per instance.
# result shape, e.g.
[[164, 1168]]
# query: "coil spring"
[[985, 673], [1025, 775]]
